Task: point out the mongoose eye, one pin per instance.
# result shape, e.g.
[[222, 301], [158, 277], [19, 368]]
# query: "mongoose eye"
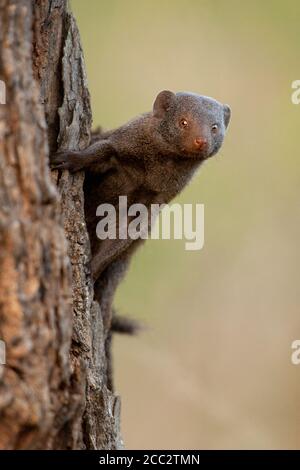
[[183, 123], [215, 127]]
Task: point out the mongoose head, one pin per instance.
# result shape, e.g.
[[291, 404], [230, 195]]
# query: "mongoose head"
[[195, 125]]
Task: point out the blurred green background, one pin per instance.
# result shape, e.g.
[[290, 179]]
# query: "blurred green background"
[[213, 370]]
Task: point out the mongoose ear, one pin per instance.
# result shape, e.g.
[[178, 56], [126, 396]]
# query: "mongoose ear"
[[162, 103], [227, 114]]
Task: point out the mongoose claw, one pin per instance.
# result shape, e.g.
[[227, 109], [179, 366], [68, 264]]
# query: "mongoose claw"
[[65, 161], [58, 159]]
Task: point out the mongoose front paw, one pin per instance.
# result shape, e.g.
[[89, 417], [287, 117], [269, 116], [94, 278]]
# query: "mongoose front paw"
[[66, 161]]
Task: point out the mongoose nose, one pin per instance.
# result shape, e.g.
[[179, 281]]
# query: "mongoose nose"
[[200, 143]]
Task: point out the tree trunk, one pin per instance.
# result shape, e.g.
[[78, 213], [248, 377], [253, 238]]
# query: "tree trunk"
[[53, 388]]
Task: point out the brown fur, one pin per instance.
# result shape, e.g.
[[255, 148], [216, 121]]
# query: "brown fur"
[[150, 160]]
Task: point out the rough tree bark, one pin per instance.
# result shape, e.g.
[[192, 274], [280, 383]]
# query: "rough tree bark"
[[53, 388]]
